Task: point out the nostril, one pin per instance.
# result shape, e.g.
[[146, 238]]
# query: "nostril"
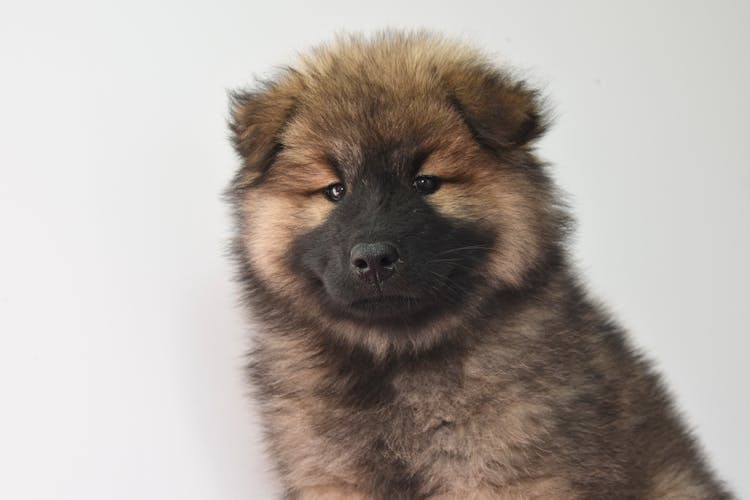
[[360, 263], [388, 260]]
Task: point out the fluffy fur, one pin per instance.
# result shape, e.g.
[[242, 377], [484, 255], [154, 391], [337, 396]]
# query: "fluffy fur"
[[466, 362]]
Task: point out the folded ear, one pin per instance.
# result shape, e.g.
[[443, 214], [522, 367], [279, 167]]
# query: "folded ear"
[[501, 113], [257, 120]]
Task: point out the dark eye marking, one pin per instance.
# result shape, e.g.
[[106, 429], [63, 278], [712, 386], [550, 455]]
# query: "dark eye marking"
[[426, 184], [335, 192], [420, 158]]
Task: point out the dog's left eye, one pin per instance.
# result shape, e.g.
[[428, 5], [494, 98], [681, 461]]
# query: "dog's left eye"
[[335, 192], [426, 184]]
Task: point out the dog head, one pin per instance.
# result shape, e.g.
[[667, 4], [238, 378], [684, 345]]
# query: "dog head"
[[388, 189]]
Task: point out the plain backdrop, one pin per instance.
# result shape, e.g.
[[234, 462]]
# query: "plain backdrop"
[[121, 339]]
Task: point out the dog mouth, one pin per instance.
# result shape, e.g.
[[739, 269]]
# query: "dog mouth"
[[384, 306], [385, 301]]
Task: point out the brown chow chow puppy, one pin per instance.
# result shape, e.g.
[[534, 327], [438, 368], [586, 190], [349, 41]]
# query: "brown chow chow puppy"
[[420, 333]]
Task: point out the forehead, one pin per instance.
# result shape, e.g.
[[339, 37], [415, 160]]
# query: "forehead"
[[388, 127]]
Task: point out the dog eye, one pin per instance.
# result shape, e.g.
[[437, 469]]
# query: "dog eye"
[[335, 192], [426, 184]]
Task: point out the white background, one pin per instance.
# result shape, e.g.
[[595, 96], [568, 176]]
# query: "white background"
[[121, 345]]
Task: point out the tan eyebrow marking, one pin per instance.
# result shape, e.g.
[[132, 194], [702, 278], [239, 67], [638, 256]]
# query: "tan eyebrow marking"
[[302, 173]]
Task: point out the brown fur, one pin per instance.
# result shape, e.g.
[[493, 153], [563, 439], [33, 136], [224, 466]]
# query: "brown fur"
[[527, 390]]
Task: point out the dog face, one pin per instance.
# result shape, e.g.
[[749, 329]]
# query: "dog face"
[[388, 189]]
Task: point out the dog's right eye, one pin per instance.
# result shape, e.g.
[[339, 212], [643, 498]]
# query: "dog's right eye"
[[426, 184], [335, 192]]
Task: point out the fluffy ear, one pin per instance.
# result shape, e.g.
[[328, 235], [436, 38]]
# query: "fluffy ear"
[[501, 113], [257, 120]]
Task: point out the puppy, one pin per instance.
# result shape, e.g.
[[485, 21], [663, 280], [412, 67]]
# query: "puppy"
[[420, 332]]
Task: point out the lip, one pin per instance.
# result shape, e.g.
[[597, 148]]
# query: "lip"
[[383, 300], [385, 306]]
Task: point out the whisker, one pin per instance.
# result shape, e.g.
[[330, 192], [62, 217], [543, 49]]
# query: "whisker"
[[456, 289], [457, 265], [461, 249]]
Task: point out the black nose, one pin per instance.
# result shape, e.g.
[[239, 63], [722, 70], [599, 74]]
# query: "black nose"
[[374, 261]]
